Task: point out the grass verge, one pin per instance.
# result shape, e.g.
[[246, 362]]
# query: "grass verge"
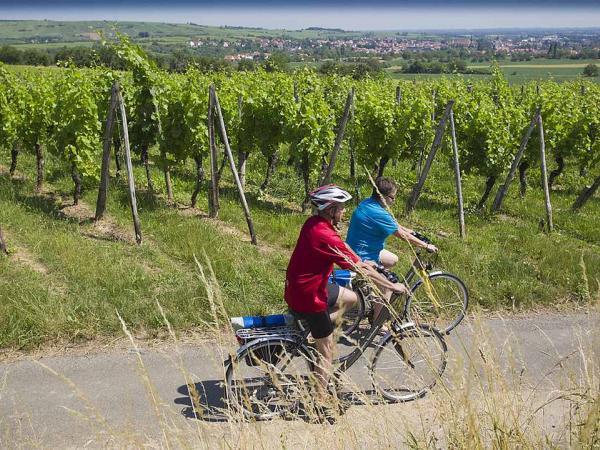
[[72, 279]]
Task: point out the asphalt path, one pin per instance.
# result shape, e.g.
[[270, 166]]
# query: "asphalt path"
[[125, 396]]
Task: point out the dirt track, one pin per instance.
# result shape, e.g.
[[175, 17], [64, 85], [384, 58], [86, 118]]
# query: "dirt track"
[[102, 399]]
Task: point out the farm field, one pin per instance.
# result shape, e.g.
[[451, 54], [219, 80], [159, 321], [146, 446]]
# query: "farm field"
[[24, 31], [558, 70], [518, 72]]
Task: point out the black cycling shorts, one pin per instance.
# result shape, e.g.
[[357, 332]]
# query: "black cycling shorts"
[[319, 323]]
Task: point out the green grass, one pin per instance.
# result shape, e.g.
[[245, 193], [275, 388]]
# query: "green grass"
[[505, 260], [55, 45], [88, 279]]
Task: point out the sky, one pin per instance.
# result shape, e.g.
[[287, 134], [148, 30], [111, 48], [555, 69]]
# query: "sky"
[[346, 14]]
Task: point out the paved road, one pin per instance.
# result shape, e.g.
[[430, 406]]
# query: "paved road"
[[102, 399]]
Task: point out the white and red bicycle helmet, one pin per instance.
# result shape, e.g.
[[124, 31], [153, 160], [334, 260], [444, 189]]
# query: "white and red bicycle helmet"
[[326, 195]]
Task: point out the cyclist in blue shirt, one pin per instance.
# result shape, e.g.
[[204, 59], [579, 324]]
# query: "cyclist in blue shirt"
[[371, 224]]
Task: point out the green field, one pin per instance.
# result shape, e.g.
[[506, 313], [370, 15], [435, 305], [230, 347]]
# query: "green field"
[[26, 31], [556, 69], [515, 71], [67, 277]]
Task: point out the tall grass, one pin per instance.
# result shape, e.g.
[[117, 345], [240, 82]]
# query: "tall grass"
[[488, 398]]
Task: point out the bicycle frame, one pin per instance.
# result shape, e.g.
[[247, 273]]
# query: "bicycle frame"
[[347, 361]]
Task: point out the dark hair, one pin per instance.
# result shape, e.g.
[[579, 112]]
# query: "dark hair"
[[386, 186]]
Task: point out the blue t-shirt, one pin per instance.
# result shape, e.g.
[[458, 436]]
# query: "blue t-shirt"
[[370, 226]]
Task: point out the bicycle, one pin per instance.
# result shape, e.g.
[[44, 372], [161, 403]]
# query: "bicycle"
[[270, 373], [435, 297]]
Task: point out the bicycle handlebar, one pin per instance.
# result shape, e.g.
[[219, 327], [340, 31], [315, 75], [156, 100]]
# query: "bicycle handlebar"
[[391, 276], [421, 237]]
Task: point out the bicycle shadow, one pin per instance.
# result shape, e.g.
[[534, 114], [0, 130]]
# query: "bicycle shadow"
[[206, 401]]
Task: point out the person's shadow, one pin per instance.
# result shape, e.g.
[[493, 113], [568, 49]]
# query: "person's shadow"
[[204, 401]]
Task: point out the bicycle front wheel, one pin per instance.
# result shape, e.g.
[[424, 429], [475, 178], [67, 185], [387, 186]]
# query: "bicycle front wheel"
[[267, 378], [408, 362], [440, 299]]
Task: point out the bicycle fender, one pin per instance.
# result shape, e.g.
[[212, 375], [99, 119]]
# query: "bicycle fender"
[[419, 282], [269, 339]]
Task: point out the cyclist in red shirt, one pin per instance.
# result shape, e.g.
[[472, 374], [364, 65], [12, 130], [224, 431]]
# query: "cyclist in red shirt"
[[307, 292]]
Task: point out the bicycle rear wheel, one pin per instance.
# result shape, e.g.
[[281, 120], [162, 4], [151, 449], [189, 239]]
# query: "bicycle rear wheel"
[[268, 377], [408, 362], [352, 317], [440, 300]]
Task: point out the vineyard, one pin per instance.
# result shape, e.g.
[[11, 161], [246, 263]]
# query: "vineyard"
[[290, 132]]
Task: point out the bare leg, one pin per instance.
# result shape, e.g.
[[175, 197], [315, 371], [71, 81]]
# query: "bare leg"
[[346, 300], [387, 259], [378, 305], [323, 368]]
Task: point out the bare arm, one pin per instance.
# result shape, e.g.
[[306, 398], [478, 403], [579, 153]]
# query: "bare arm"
[[406, 234], [375, 276]]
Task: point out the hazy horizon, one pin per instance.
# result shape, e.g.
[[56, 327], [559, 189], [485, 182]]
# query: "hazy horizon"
[[379, 15]]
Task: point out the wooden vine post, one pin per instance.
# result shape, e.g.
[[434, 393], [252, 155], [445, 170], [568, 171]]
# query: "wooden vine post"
[[213, 188], [517, 159], [353, 176], [166, 171], [234, 171], [419, 165], [3, 249], [242, 155], [549, 223], [457, 179], [117, 106], [339, 137], [104, 171], [439, 134], [129, 167]]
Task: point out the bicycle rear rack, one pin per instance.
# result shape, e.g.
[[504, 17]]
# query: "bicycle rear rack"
[[249, 334]]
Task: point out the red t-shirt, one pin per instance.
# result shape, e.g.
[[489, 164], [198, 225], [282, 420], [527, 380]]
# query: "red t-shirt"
[[312, 263]]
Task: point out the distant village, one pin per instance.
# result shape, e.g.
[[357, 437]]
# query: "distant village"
[[261, 48]]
